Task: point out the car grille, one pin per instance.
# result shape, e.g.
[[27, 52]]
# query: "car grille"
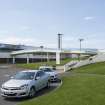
[[52, 77], [7, 94], [11, 88]]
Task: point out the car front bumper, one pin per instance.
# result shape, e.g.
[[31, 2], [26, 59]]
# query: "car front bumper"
[[53, 78], [14, 93]]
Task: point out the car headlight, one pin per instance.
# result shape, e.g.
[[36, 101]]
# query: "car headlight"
[[25, 86], [2, 86]]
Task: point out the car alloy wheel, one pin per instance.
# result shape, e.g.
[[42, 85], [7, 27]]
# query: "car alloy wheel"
[[32, 92]]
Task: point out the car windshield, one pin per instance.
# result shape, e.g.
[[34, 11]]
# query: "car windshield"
[[24, 75], [47, 70]]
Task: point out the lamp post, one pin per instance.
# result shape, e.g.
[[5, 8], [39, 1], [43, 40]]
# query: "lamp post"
[[80, 40], [41, 47], [59, 48]]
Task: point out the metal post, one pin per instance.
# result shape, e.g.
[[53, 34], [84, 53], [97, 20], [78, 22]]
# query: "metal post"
[[80, 47], [41, 47], [59, 48]]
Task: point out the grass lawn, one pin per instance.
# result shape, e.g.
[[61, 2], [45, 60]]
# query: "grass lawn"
[[77, 89], [97, 68], [36, 65]]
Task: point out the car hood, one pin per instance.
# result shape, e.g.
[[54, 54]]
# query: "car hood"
[[52, 73], [16, 83]]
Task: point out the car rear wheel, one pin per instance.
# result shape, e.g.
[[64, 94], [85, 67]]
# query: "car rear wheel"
[[32, 92]]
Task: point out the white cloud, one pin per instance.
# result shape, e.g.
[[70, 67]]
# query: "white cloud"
[[88, 18], [16, 40], [13, 39]]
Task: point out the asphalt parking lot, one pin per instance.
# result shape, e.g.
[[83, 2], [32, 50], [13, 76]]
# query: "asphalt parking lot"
[[6, 71]]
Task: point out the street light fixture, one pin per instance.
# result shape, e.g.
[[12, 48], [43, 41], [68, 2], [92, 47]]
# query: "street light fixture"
[[59, 41]]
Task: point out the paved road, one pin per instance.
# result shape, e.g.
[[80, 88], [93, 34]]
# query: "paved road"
[[8, 70]]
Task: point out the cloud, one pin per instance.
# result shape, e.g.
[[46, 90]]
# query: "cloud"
[[13, 39], [16, 40], [88, 18]]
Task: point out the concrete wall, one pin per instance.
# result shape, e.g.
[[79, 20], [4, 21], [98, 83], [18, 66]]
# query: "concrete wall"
[[5, 55]]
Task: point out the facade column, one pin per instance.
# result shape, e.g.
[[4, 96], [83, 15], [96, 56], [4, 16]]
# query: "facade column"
[[47, 57], [7, 61], [57, 57], [13, 60], [28, 59]]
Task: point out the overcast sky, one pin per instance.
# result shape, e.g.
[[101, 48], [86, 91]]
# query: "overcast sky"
[[37, 22]]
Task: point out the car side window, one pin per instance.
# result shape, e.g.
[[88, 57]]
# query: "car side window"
[[40, 73]]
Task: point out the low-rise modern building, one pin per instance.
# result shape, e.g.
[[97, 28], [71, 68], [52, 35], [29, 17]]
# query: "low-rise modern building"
[[28, 54]]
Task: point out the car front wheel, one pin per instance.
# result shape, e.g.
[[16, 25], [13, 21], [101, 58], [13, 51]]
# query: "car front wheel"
[[48, 84], [32, 92]]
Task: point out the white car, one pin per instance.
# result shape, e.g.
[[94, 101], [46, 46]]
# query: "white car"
[[49, 70], [25, 83]]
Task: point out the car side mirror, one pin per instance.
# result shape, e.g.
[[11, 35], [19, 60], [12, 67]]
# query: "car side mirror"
[[37, 78]]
